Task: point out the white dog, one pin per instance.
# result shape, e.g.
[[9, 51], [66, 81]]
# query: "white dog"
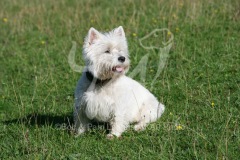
[[105, 94]]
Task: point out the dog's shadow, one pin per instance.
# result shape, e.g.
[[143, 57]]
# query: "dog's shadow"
[[35, 119], [64, 122]]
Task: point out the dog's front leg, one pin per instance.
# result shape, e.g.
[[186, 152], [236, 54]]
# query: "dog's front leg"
[[81, 122], [118, 125]]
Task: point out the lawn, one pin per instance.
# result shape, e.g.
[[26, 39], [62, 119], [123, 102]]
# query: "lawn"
[[198, 81]]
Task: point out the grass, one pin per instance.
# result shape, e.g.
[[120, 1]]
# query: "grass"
[[199, 84]]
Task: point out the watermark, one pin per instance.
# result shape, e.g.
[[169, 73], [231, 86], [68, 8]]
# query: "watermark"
[[108, 127], [162, 45], [71, 59], [63, 126], [163, 39], [92, 126]]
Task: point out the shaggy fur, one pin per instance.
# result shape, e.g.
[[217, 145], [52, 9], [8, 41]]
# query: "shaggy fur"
[[110, 96]]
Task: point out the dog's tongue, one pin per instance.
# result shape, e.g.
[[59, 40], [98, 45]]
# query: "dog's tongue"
[[119, 69]]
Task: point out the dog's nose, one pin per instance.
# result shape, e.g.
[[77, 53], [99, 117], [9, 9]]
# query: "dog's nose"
[[121, 59]]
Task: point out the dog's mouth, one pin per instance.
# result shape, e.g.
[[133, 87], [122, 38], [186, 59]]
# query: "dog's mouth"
[[118, 69]]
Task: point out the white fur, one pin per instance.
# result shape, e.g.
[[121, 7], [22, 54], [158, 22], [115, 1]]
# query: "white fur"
[[121, 100]]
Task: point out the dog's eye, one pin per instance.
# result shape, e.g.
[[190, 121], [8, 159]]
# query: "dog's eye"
[[107, 51]]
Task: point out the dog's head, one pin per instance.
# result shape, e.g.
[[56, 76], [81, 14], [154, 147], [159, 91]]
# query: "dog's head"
[[106, 54]]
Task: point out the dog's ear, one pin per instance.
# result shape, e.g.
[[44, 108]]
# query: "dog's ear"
[[93, 34], [119, 31]]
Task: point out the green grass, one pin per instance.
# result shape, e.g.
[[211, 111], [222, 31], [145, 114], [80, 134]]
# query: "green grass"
[[37, 83]]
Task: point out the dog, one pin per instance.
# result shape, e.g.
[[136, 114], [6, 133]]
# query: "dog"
[[105, 94]]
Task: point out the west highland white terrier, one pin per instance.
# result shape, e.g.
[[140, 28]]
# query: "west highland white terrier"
[[105, 94]]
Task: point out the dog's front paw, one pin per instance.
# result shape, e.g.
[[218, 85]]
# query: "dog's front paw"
[[76, 134], [79, 131], [112, 136]]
